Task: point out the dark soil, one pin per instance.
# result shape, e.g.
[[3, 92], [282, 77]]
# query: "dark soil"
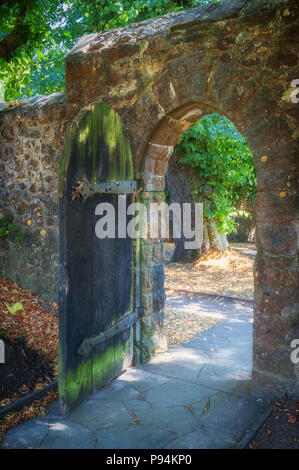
[[281, 429], [23, 369]]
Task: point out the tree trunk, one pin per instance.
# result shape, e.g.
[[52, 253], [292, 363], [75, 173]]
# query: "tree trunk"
[[245, 225], [181, 180]]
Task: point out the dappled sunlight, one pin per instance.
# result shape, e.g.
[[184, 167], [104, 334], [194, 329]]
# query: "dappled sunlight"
[[222, 361], [180, 325], [198, 308], [228, 274], [58, 427], [184, 355], [186, 316], [237, 320]]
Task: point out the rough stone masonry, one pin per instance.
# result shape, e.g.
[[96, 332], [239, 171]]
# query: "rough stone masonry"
[[237, 58]]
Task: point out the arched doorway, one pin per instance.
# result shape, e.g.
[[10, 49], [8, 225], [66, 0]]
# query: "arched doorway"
[[164, 74], [153, 168]]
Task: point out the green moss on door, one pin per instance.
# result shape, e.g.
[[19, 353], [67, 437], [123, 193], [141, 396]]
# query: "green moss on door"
[[92, 374], [98, 148], [97, 133]]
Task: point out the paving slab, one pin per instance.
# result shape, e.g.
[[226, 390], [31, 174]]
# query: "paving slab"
[[179, 362], [141, 379], [223, 378], [177, 419], [67, 435], [224, 411], [178, 392], [97, 413], [133, 437], [195, 396], [28, 435], [202, 438]]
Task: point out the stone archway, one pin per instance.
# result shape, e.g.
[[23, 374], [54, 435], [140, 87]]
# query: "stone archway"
[[239, 59]]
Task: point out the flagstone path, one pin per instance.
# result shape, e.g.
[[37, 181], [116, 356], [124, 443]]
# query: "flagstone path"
[[195, 396]]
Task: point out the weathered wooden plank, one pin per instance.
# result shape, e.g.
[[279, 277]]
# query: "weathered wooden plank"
[[112, 289]]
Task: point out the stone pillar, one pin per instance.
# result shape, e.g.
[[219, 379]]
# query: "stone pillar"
[[276, 272], [149, 338]]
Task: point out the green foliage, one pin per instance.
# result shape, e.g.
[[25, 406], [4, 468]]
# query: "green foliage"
[[11, 231], [224, 164], [14, 308], [47, 29]]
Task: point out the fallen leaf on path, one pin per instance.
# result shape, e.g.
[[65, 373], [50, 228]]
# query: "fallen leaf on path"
[[292, 419]]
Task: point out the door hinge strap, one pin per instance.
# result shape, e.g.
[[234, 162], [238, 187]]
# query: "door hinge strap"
[[126, 322], [85, 188]]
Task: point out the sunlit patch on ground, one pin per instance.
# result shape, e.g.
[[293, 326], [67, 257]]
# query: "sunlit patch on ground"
[[181, 326], [228, 274]]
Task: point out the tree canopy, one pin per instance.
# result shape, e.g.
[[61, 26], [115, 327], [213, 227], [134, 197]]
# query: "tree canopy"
[[35, 36]]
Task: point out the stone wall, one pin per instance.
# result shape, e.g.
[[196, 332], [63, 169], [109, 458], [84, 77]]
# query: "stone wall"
[[31, 139], [237, 58]]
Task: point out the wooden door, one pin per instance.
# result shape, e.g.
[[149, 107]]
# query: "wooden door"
[[96, 281]]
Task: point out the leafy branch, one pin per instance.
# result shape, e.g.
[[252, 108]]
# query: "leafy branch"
[[10, 231], [222, 159]]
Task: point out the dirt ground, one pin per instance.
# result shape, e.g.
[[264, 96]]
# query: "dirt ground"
[[281, 429], [229, 273], [30, 336], [24, 370], [36, 321]]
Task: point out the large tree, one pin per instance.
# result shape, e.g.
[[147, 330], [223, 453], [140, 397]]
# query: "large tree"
[[212, 164]]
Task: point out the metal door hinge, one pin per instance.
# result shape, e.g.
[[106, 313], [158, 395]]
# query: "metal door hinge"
[[85, 188], [126, 322]]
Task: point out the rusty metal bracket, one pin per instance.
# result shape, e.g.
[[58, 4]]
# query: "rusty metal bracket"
[[126, 322], [85, 189]]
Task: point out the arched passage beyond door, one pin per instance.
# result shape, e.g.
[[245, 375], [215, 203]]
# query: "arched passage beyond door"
[[238, 59]]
